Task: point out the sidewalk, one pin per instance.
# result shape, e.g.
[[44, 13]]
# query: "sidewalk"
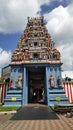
[[16, 121]]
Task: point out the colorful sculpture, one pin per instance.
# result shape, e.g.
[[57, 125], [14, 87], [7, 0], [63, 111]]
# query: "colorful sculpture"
[[12, 83], [59, 82], [35, 39], [51, 79], [19, 82]]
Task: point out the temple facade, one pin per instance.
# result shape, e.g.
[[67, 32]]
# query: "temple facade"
[[35, 74]]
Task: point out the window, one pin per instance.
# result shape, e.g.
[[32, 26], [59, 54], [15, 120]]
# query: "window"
[[14, 70], [51, 69], [35, 43], [20, 70], [35, 24], [35, 34], [59, 69], [35, 56], [55, 69]]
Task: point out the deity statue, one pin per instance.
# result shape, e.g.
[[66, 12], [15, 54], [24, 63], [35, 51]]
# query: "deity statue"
[[19, 82], [59, 82], [12, 83], [51, 79]]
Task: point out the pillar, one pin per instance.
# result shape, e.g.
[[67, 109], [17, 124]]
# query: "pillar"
[[25, 87], [47, 86]]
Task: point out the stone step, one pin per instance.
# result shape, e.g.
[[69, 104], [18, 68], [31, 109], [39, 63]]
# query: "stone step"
[[56, 95]]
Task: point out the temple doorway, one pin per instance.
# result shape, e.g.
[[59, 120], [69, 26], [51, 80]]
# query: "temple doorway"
[[36, 85]]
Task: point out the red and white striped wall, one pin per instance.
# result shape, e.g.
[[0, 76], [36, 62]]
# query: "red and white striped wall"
[[3, 92], [68, 88]]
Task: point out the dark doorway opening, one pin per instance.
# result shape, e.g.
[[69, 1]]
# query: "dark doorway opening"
[[36, 85]]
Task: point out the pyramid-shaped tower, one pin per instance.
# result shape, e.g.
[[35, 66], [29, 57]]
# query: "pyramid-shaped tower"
[[35, 45], [35, 68]]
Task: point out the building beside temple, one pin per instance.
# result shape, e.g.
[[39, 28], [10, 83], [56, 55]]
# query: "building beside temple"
[[35, 68]]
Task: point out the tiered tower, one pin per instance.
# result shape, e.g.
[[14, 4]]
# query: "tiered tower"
[[35, 45], [35, 68]]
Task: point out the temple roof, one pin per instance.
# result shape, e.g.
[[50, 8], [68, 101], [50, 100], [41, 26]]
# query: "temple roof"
[[35, 45]]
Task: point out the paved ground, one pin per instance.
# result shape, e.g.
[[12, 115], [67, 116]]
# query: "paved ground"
[[35, 118]]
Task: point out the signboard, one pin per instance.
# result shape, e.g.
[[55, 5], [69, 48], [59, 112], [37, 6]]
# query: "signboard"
[[6, 71], [58, 99], [13, 98]]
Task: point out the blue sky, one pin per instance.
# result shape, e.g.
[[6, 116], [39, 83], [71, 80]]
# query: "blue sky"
[[9, 41], [58, 15], [46, 8]]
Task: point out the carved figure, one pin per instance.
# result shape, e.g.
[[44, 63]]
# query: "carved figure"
[[19, 82], [12, 83], [59, 82], [51, 79]]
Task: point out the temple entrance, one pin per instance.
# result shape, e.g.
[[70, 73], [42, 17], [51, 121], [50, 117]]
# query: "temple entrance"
[[36, 85]]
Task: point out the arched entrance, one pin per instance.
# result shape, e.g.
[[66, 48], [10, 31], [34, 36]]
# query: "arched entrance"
[[36, 85]]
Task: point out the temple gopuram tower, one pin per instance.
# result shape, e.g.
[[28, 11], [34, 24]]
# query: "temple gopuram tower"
[[35, 68]]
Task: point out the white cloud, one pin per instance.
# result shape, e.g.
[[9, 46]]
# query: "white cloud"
[[66, 56], [14, 13], [42, 2], [13, 18], [59, 25], [4, 58]]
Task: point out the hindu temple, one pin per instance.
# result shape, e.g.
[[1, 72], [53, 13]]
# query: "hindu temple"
[[35, 68]]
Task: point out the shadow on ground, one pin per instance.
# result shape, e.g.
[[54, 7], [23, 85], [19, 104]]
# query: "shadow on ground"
[[35, 113]]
